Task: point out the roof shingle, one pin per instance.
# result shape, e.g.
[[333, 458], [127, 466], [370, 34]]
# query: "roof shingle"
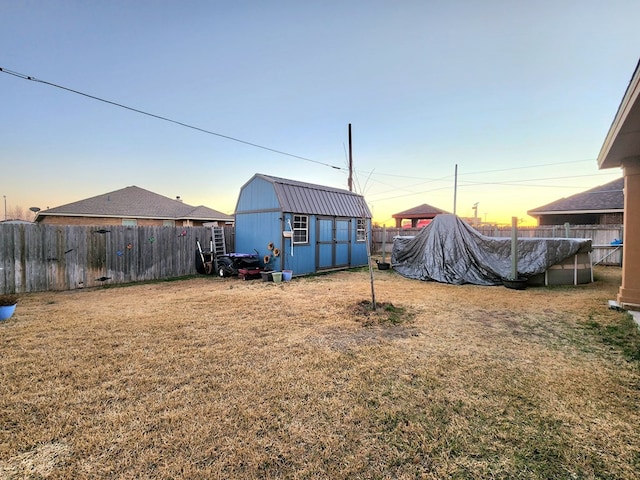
[[135, 202], [607, 197]]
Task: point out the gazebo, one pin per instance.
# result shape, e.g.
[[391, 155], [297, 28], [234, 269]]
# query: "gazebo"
[[415, 214]]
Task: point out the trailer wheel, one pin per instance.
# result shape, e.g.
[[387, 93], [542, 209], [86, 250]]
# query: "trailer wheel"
[[222, 272]]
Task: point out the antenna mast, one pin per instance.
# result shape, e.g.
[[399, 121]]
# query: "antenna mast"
[[350, 163]]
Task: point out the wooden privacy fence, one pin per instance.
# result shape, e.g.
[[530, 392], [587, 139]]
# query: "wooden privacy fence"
[[39, 257], [601, 237]]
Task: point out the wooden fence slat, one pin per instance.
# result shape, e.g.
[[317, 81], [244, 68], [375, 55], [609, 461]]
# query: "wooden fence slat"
[[40, 257]]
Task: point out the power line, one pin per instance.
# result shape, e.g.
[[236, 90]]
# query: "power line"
[[166, 119], [475, 184], [519, 182], [527, 166], [485, 171], [280, 152]]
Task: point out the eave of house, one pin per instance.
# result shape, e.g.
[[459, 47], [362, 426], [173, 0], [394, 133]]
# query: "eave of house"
[[623, 140], [101, 215], [145, 217], [573, 212]]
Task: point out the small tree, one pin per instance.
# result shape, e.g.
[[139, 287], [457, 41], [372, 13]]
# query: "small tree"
[[16, 212]]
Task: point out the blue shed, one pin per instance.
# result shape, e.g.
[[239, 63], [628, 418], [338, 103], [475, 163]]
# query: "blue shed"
[[302, 227]]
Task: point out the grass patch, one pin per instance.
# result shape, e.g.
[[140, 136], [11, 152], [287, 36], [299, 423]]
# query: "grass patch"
[[622, 334], [222, 378]]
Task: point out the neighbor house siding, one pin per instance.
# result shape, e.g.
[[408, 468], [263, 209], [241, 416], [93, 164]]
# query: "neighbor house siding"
[[581, 219], [88, 221]]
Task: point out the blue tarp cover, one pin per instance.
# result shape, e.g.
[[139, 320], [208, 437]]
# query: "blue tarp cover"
[[449, 250]]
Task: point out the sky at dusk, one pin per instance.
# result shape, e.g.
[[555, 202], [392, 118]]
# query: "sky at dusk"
[[518, 94]]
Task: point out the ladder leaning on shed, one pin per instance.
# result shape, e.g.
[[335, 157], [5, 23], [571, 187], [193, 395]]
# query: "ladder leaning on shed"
[[218, 245]]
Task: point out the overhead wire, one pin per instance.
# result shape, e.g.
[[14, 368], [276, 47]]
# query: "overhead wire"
[[371, 173], [513, 183], [486, 171], [519, 182], [166, 119]]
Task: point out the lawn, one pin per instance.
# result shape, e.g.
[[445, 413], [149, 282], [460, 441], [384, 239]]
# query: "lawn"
[[224, 378]]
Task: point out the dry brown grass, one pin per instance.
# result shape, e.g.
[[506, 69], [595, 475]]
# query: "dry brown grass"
[[223, 378]]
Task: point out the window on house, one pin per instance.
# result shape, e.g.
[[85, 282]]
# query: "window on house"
[[129, 222], [168, 223], [300, 229], [361, 231]]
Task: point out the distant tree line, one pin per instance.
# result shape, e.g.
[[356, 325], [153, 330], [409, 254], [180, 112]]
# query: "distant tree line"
[[17, 212]]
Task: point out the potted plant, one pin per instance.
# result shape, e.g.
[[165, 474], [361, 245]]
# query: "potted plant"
[[8, 304]]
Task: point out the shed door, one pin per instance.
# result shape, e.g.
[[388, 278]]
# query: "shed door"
[[332, 242], [342, 244]]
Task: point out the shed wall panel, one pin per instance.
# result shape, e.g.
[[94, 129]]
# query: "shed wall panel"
[[257, 195]]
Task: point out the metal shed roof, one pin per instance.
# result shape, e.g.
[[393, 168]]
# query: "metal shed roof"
[[308, 198]]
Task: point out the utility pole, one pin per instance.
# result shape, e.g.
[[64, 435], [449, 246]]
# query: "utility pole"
[[350, 163], [455, 189], [5, 207]]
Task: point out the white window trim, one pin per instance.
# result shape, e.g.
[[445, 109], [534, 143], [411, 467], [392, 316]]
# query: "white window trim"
[[298, 229], [361, 233]]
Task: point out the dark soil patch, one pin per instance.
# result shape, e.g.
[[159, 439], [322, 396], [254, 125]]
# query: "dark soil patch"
[[386, 313]]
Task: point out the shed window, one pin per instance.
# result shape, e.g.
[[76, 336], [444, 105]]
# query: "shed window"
[[300, 229], [361, 232]]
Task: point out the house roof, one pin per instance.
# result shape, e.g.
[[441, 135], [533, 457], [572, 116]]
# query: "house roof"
[[312, 199], [423, 211], [623, 140], [135, 202], [606, 198]]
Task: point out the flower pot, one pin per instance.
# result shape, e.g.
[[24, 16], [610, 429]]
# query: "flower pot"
[[286, 275], [277, 277], [6, 312]]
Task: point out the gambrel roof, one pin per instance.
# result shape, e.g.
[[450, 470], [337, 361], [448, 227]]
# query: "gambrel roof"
[[607, 198], [135, 202], [312, 199]]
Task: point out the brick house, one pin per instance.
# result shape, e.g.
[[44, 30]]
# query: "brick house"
[[132, 206], [602, 205]]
